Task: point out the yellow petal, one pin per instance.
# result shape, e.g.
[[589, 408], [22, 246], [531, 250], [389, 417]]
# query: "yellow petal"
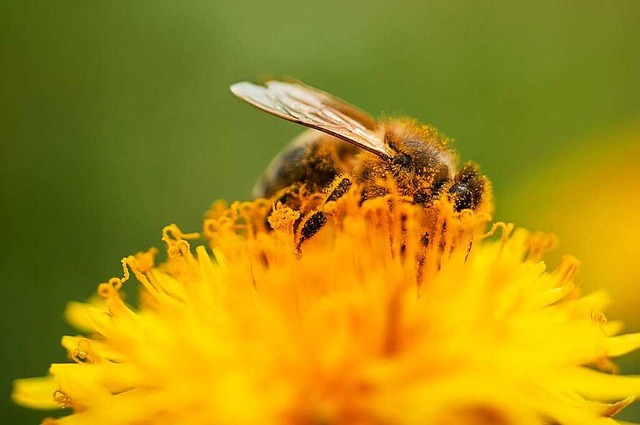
[[37, 393]]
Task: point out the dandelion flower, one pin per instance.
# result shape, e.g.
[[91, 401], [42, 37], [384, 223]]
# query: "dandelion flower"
[[392, 314]]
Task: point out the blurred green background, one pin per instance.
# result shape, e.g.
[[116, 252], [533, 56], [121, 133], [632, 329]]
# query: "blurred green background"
[[116, 119]]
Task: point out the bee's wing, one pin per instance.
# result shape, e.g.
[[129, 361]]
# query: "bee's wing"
[[349, 110], [313, 108]]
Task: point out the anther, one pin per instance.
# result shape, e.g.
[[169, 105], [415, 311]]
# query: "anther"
[[62, 398]]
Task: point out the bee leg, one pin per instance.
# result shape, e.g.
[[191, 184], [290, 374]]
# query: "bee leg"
[[311, 226], [314, 222], [339, 190], [468, 189]]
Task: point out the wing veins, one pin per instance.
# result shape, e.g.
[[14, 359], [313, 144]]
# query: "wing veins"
[[309, 107]]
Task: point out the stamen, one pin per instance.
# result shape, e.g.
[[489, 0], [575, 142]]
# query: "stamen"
[[111, 288], [131, 263], [282, 219], [605, 364], [566, 270], [83, 353], [540, 243], [172, 231], [62, 398], [506, 230]]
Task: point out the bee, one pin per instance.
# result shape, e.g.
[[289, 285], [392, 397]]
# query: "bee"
[[347, 145]]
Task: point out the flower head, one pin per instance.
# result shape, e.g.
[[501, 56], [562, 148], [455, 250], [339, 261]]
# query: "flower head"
[[392, 313]]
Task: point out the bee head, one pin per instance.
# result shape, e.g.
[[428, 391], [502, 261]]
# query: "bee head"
[[422, 165], [402, 161]]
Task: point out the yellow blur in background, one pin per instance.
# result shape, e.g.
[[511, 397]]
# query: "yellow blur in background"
[[116, 119], [591, 200]]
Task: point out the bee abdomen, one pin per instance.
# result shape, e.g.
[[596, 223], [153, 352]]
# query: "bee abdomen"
[[313, 159], [277, 176]]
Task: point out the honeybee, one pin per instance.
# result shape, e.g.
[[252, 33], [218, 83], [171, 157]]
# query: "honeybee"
[[346, 144]]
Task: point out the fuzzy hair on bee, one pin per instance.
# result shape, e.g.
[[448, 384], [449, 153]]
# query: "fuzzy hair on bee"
[[345, 145]]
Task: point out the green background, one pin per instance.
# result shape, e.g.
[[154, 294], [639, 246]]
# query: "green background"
[[116, 119]]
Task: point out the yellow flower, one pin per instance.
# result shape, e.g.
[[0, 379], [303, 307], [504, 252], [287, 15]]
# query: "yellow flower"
[[391, 314]]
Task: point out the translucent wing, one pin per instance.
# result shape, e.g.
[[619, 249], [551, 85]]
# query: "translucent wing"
[[313, 108], [349, 110]]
